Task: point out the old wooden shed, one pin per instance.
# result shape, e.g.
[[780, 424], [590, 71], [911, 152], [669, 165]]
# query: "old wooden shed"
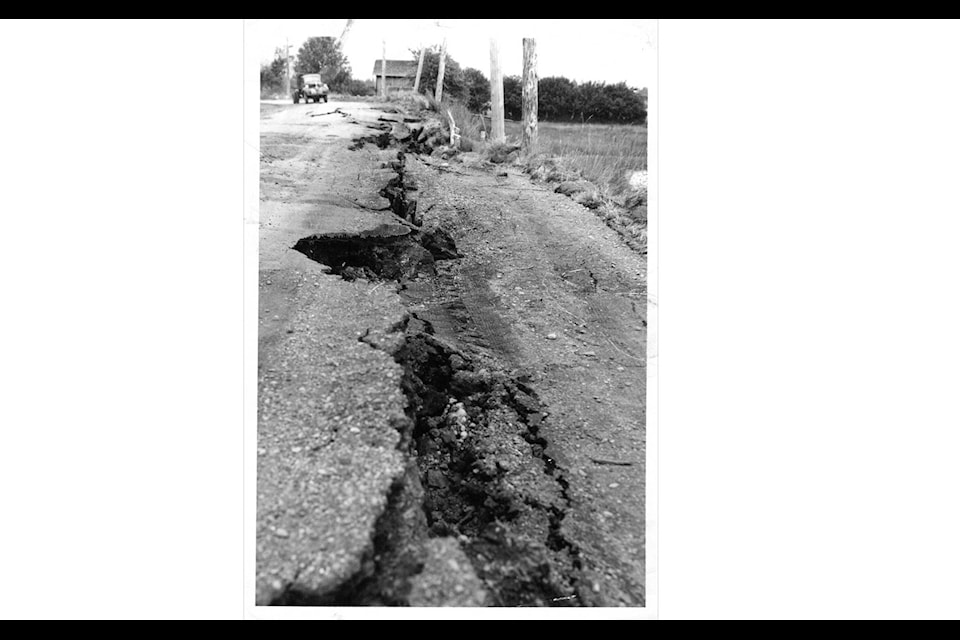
[[400, 74]]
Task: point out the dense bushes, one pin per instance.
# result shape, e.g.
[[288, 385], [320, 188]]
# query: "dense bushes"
[[476, 90], [468, 85], [513, 98], [354, 87], [272, 77], [453, 85], [556, 96], [560, 99]]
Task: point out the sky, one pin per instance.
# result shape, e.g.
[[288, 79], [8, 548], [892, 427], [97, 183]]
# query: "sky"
[[583, 50]]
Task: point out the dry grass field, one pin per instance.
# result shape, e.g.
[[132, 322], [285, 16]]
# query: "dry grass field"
[[603, 154]]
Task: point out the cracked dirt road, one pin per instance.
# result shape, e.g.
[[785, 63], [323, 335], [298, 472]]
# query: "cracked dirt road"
[[468, 433]]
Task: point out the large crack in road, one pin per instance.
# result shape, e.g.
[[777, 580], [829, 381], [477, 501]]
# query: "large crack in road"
[[483, 476], [482, 494]]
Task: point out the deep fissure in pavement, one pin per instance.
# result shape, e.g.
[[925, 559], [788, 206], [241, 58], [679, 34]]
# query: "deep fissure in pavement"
[[398, 251], [382, 140], [485, 476], [478, 469], [478, 473], [401, 192]]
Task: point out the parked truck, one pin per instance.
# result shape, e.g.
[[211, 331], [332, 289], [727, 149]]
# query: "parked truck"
[[310, 87]]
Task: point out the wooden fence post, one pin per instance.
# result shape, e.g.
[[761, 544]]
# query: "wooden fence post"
[[454, 131], [497, 130], [286, 59], [529, 145], [383, 71], [443, 61]]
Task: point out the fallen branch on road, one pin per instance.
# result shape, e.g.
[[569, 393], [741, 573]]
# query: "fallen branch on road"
[[327, 113]]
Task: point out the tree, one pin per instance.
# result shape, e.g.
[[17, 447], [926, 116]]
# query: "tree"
[[512, 97], [562, 99], [453, 81], [557, 97], [323, 55], [268, 82], [272, 75], [476, 90], [624, 104]]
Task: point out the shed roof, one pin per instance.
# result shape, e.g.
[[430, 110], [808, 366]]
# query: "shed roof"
[[401, 68]]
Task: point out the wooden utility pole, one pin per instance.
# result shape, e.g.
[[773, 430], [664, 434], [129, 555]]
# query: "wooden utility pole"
[[416, 83], [443, 60], [286, 59], [346, 30], [529, 144], [497, 131], [383, 72]]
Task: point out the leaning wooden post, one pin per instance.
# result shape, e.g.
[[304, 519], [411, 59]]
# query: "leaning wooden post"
[[443, 61], [454, 131], [416, 83], [383, 72], [497, 130], [529, 145]]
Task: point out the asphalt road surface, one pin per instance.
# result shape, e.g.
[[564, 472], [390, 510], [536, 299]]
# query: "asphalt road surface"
[[471, 434]]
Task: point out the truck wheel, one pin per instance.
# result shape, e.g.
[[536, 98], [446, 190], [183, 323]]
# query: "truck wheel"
[[324, 99]]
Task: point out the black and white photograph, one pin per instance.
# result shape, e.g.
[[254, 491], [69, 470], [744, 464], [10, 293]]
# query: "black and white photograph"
[[518, 318], [452, 349]]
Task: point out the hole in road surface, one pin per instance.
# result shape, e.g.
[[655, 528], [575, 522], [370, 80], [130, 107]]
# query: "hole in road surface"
[[389, 252]]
